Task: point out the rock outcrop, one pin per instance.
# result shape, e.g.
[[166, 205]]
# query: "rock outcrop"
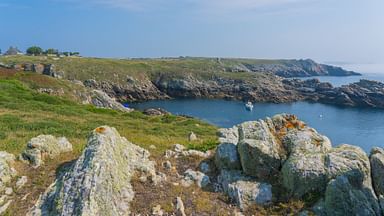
[[7, 175], [156, 112], [130, 90], [99, 181], [43, 146], [103, 100], [264, 87], [365, 93], [284, 152], [377, 166], [244, 190], [292, 68]]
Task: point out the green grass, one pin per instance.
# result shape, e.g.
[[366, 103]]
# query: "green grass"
[[25, 114]]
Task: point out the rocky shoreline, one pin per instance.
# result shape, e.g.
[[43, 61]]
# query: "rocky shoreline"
[[365, 93]]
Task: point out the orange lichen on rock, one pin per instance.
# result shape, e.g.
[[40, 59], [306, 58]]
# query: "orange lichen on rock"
[[100, 130]]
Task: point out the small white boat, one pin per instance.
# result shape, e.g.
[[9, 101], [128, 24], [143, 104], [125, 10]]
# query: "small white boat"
[[249, 106]]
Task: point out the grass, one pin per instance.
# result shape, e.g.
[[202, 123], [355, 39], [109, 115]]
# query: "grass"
[[25, 114]]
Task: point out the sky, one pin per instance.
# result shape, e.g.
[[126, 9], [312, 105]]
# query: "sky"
[[339, 32]]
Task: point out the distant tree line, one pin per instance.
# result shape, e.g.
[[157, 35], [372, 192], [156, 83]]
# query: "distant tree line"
[[35, 50], [38, 51]]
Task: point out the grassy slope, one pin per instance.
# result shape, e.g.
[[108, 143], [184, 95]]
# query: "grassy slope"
[[25, 114]]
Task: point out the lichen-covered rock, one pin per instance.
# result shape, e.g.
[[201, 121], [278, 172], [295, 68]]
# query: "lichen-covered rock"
[[178, 148], [7, 172], [195, 153], [244, 190], [377, 166], [191, 176], [4, 207], [228, 177], [306, 141], [192, 136], [260, 153], [21, 182], [205, 167], [259, 158], [305, 173], [155, 112], [246, 193], [103, 100], [180, 209], [305, 170], [227, 157], [343, 198], [42, 146], [229, 135], [350, 161], [99, 181]]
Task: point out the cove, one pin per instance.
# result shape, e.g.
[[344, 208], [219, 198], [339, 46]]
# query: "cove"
[[356, 126]]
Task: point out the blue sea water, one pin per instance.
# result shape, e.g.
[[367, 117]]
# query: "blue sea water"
[[362, 127], [358, 126]]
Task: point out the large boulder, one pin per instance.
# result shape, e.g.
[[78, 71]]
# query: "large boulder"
[[350, 161], [305, 170], [344, 198], [7, 172], [377, 166], [43, 146], [304, 173], [99, 181], [7, 175], [244, 190], [226, 156], [306, 140], [191, 176], [247, 193], [229, 135], [103, 100], [309, 172], [260, 153]]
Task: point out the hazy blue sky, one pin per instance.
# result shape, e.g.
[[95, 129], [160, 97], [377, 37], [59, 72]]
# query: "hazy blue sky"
[[325, 30]]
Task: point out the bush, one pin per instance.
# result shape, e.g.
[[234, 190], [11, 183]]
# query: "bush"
[[34, 50]]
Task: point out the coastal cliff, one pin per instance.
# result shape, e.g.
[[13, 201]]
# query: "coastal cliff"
[[236, 79]]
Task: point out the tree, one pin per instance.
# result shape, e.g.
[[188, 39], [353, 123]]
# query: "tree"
[[51, 51], [34, 50]]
